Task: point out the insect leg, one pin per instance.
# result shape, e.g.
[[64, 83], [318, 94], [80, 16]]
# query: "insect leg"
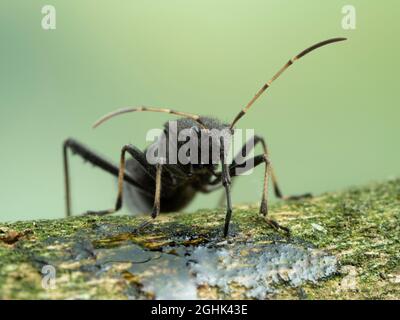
[[277, 190], [250, 144], [226, 182], [138, 155], [250, 164], [121, 174], [247, 147], [156, 207], [96, 160]]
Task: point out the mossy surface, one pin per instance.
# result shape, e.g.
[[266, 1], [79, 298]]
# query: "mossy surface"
[[110, 258]]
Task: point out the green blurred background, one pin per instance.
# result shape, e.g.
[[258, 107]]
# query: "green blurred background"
[[332, 121]]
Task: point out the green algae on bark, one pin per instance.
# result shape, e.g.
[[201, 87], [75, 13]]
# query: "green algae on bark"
[[343, 245]]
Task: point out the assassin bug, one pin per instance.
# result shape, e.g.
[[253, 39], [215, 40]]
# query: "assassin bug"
[[164, 187]]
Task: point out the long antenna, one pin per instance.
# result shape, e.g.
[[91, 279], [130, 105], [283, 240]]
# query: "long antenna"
[[276, 76], [151, 109]]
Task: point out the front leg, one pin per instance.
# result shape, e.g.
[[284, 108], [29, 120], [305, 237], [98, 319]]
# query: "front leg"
[[156, 207], [226, 182], [227, 185]]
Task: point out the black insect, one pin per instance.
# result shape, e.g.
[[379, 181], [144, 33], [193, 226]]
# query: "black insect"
[[166, 187]]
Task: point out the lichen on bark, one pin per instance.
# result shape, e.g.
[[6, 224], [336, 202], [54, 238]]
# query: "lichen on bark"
[[343, 245]]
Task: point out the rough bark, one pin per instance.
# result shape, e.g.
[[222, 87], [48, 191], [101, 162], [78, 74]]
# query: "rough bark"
[[343, 245]]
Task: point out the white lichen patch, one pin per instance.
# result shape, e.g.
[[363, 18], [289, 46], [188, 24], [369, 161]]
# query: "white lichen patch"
[[260, 268], [178, 272], [162, 275], [349, 282], [167, 278]]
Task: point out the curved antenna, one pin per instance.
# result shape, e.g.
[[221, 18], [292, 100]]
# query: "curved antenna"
[[151, 109], [276, 76]]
